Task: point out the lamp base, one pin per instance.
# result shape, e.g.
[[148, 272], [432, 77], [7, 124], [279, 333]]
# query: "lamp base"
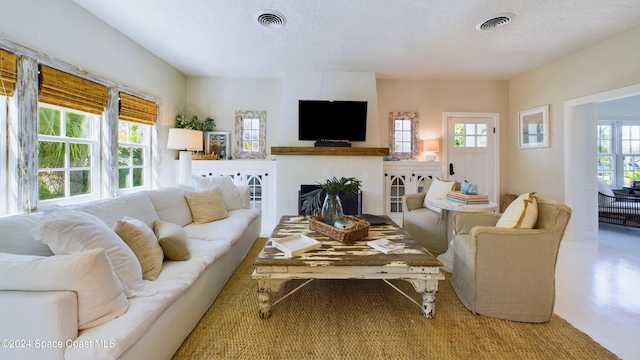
[[430, 156], [184, 167]]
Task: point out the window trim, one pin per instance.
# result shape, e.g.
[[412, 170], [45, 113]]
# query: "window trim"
[[415, 120]]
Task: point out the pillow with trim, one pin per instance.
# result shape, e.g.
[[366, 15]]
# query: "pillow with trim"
[[522, 213]]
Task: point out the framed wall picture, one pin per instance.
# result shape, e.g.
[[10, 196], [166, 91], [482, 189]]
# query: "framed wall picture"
[[218, 144], [534, 127]]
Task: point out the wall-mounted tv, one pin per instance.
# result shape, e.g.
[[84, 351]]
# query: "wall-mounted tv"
[[321, 120]]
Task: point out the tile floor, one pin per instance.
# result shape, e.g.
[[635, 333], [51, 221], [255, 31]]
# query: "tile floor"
[[598, 288]]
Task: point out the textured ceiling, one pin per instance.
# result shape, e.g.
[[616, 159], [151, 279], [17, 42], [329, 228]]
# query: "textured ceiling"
[[434, 39]]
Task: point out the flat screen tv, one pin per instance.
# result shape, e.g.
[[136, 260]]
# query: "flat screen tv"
[[321, 120]]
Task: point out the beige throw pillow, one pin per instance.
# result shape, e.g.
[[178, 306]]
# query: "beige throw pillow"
[[172, 239], [143, 242], [206, 206], [522, 213]]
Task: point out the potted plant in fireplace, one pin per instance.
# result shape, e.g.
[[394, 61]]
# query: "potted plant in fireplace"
[[333, 188]]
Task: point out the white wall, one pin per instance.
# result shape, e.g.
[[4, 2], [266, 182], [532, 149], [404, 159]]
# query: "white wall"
[[610, 65], [65, 31]]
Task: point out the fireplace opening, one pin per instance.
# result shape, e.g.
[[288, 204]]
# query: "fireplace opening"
[[350, 206]]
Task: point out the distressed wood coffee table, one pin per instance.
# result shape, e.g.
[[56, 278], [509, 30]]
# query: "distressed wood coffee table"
[[335, 260]]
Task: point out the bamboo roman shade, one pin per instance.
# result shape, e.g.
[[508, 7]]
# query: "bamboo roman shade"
[[62, 89], [8, 73], [138, 110]]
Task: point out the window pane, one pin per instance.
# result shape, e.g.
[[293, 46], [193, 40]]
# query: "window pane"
[[138, 177], [136, 134], [406, 136], [48, 121], [470, 129], [123, 131], [124, 156], [471, 141], [51, 154], [124, 180], [80, 182], [50, 185], [482, 141], [80, 155], [255, 134], [77, 126], [255, 124], [398, 125], [458, 141], [138, 156], [246, 124], [458, 129], [626, 146], [482, 129]]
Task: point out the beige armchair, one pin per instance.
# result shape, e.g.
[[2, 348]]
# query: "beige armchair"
[[426, 226], [509, 273]]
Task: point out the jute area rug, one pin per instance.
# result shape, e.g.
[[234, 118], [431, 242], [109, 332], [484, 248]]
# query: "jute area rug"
[[367, 319]]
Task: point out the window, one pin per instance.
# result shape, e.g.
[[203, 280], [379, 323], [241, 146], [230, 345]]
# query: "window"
[[403, 141], [618, 152], [251, 134], [470, 135], [134, 142], [68, 153], [606, 158]]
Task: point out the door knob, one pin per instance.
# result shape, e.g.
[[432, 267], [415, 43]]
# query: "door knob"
[[451, 169]]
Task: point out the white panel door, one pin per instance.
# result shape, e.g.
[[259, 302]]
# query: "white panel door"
[[471, 151]]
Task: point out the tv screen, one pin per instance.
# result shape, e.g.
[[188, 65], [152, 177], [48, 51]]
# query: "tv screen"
[[332, 120]]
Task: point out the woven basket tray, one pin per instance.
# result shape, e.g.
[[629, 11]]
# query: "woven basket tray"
[[358, 231]]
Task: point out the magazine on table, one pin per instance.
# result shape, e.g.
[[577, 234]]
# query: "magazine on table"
[[386, 246]]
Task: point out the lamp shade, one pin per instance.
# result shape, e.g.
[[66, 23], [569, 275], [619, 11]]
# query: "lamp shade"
[[185, 139], [432, 145]]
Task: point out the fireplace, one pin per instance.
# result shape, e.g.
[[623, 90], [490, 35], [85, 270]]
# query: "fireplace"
[[350, 206]]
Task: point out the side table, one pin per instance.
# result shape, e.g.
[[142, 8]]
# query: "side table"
[[451, 207]]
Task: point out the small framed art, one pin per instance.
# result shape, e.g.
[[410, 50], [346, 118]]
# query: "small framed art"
[[218, 144], [534, 127]]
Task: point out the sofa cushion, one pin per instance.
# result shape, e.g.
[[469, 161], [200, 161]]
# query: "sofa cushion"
[[69, 231], [232, 199], [137, 205], [437, 190], [143, 242], [228, 230], [16, 238], [522, 213], [88, 273], [172, 239], [207, 205], [171, 205]]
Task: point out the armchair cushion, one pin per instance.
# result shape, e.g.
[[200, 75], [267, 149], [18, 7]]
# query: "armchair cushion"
[[522, 213], [438, 190]]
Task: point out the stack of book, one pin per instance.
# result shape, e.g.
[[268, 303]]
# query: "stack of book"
[[459, 197]]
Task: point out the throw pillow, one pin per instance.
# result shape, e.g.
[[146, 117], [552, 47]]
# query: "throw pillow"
[[437, 190], [143, 243], [522, 213], [230, 194], [69, 231], [88, 273], [172, 239], [206, 206], [604, 189]]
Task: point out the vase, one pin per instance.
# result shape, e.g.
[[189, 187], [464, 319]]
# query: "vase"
[[331, 209]]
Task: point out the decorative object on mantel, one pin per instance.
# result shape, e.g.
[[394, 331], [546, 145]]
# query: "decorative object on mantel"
[[332, 206], [217, 144], [468, 188], [185, 140]]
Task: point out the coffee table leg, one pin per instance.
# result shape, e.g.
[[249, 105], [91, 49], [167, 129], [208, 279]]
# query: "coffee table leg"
[[428, 290], [265, 289]]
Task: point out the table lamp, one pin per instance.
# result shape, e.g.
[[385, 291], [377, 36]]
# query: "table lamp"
[[430, 147], [186, 141]]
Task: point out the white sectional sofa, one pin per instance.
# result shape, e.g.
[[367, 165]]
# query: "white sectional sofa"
[[40, 316]]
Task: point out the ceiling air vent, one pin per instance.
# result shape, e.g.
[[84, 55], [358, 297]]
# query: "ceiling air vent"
[[271, 19], [495, 21]]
